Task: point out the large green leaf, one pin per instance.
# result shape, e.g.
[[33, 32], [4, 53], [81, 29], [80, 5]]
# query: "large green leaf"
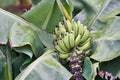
[[20, 33], [8, 67], [88, 12], [18, 64], [23, 60], [5, 26], [44, 68], [46, 38], [98, 9], [77, 7], [105, 27], [19, 61], [46, 14], [112, 67], [87, 69], [2, 65], [23, 38], [95, 67], [107, 41]]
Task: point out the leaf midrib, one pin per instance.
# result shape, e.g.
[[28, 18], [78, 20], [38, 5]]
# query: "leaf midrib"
[[108, 38], [47, 19], [33, 65], [98, 14]]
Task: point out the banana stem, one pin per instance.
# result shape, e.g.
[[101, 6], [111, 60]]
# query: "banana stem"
[[8, 70], [64, 11]]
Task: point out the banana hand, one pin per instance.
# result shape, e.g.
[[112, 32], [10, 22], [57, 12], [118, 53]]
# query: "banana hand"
[[62, 45], [64, 56], [68, 26], [88, 40], [77, 40], [57, 31], [85, 36], [62, 28], [85, 47], [58, 48], [66, 40], [71, 39], [81, 29], [75, 29]]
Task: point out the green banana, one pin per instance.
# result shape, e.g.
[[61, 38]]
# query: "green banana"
[[85, 36], [77, 40], [85, 28], [71, 55], [71, 39], [60, 37], [57, 31], [64, 56], [57, 47], [54, 36], [66, 40], [62, 28], [62, 45], [81, 29], [84, 47], [77, 30], [68, 26], [74, 28], [88, 40]]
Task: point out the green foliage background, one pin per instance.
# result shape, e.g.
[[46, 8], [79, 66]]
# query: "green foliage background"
[[26, 45]]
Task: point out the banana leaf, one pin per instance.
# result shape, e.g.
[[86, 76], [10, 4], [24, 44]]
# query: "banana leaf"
[[44, 16], [2, 65], [24, 38], [45, 67]]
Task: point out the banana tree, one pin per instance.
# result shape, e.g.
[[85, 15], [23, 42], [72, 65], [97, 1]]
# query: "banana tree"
[[48, 43]]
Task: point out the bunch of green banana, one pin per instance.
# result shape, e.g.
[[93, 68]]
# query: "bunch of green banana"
[[71, 37]]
